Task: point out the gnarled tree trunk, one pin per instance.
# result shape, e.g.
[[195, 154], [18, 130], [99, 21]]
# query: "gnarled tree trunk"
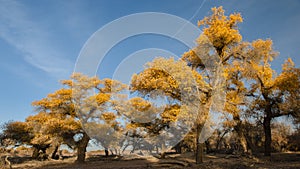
[[53, 155], [35, 153], [81, 148], [268, 135]]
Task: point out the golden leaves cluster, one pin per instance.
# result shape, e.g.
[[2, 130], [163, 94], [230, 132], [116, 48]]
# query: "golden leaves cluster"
[[221, 30]]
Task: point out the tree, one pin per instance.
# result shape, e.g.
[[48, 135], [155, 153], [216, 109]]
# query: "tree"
[[16, 133], [20, 133], [170, 82], [95, 103], [247, 63], [52, 129], [67, 114], [294, 141], [213, 59], [214, 50], [269, 95], [56, 121], [280, 134]]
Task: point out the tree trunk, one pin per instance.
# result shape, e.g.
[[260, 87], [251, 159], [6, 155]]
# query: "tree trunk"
[[239, 128], [125, 148], [81, 148], [199, 153], [133, 147], [220, 140], [35, 153], [250, 144], [242, 141], [268, 135], [106, 152], [53, 155], [208, 147], [111, 152], [163, 151], [178, 147], [199, 146]]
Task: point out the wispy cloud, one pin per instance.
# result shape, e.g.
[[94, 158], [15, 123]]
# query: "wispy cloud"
[[21, 31]]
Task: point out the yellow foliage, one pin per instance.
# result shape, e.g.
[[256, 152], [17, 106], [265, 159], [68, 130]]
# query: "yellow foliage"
[[170, 113], [140, 104], [102, 98], [221, 30], [192, 58], [262, 50], [108, 116], [289, 79]]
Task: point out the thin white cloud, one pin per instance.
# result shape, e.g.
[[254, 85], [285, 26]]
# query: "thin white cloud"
[[19, 29]]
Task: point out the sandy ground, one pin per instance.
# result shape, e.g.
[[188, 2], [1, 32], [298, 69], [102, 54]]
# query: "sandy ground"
[[218, 161]]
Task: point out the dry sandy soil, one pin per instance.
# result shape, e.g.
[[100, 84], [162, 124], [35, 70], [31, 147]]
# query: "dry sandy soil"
[[218, 161]]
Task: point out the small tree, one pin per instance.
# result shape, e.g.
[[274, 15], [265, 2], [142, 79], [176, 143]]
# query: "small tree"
[[16, 133], [68, 114]]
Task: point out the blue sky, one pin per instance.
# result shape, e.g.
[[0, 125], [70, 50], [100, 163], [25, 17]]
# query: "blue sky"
[[41, 40]]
